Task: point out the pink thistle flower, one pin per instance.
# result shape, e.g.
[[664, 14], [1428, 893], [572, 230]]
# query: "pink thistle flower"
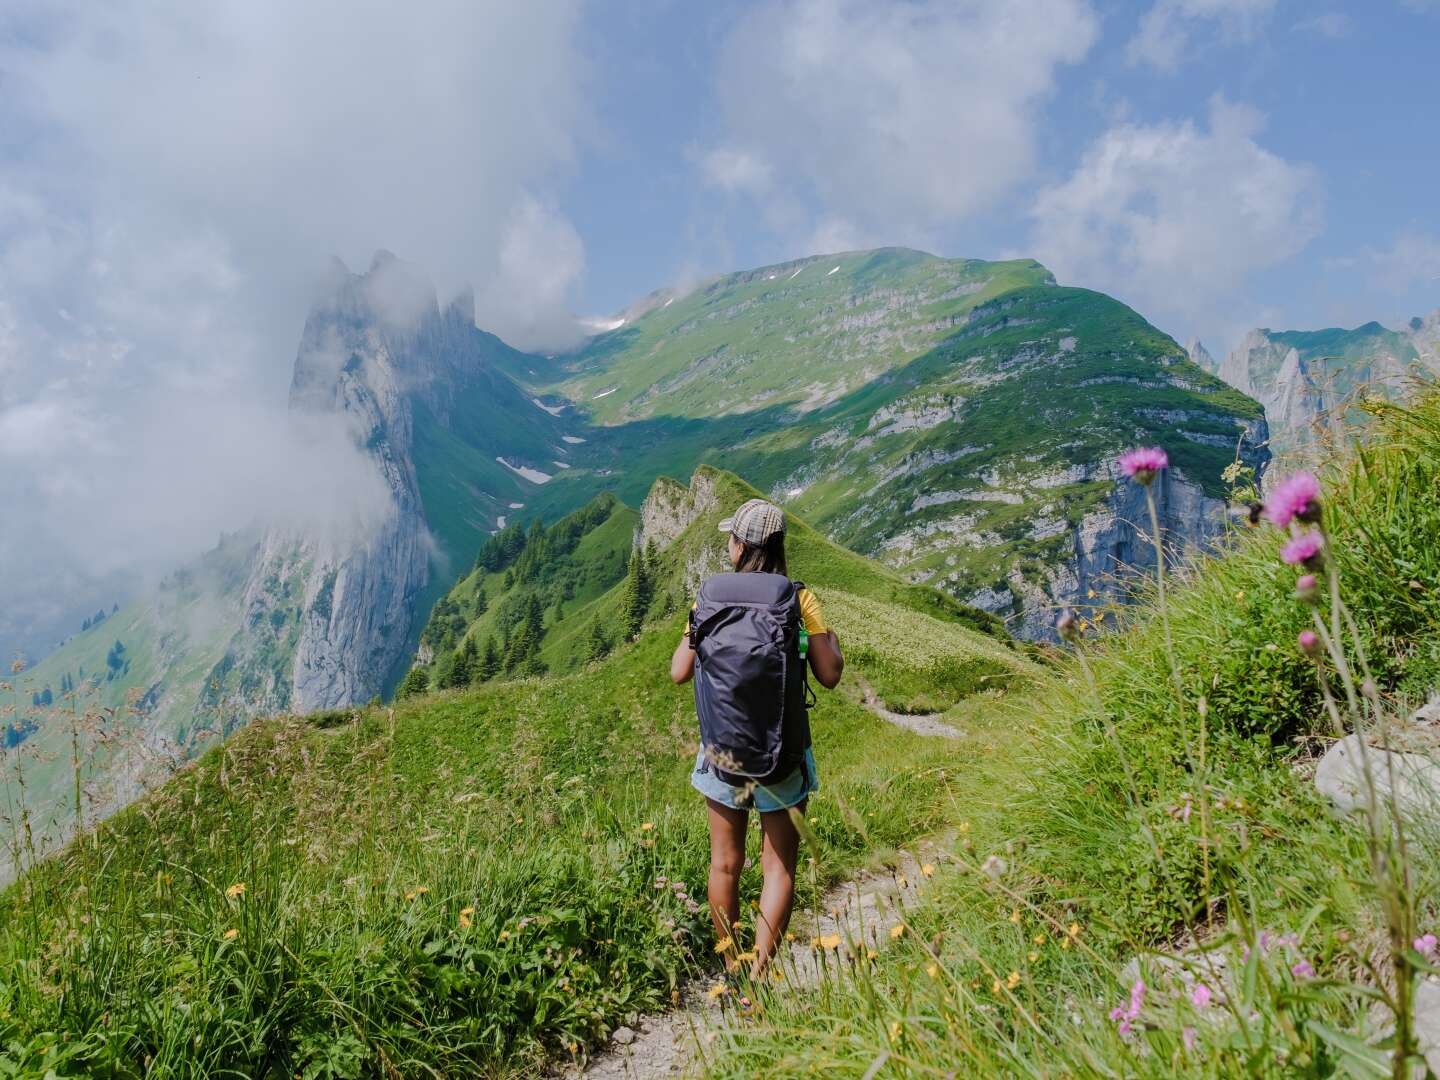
[[1137, 998], [1297, 496], [1200, 996], [1307, 588], [1143, 462], [1304, 550], [1426, 945], [1189, 1035], [1117, 1013], [1303, 970], [1309, 642]]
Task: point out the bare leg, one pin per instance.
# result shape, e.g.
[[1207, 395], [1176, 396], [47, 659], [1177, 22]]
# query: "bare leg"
[[727, 860], [777, 896]]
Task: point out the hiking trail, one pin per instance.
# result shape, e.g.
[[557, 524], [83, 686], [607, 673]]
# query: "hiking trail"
[[860, 912], [919, 723]]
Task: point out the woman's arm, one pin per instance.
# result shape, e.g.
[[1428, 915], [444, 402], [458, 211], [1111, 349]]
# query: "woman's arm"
[[826, 660], [682, 664]]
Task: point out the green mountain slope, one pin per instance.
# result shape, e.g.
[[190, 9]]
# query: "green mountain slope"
[[954, 418], [465, 884], [556, 598]]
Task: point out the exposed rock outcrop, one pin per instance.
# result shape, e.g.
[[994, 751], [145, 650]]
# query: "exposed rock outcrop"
[[1303, 378]]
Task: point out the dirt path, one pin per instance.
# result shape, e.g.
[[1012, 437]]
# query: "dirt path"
[[920, 723], [852, 918]]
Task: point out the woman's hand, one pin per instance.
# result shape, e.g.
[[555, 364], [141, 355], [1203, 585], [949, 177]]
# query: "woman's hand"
[[682, 664], [825, 659]]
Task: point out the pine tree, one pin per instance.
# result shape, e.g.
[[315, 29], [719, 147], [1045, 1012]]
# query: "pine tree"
[[416, 681], [522, 645], [482, 602], [534, 665], [557, 612], [534, 617], [489, 661], [463, 670], [635, 598], [597, 643]]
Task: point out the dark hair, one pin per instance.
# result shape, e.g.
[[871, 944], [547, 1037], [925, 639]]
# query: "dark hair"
[[766, 558]]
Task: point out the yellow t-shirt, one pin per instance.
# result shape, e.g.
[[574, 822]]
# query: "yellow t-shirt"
[[809, 611]]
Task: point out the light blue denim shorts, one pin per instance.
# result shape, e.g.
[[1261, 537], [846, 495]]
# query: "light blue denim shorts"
[[795, 788]]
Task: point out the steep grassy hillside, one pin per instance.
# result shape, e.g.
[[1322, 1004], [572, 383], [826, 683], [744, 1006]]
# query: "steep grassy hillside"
[[557, 597], [1145, 881], [955, 419], [465, 884]]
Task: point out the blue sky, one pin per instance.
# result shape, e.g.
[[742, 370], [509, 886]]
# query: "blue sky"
[[175, 175]]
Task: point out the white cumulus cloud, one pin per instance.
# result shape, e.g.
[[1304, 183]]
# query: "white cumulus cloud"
[[893, 118], [1173, 217], [1167, 32]]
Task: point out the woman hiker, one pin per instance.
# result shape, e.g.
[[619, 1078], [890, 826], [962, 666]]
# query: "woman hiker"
[[752, 634]]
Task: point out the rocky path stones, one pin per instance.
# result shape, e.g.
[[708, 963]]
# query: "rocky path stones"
[[852, 921]]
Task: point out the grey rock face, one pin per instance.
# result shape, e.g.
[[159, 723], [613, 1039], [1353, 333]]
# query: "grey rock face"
[[1303, 378], [1351, 772]]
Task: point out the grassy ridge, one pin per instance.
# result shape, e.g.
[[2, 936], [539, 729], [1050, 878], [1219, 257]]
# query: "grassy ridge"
[[1083, 844], [463, 885]]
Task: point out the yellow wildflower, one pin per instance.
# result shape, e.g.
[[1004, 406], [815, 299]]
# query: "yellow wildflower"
[[231, 934], [894, 1030], [933, 971], [897, 930], [723, 944], [995, 987], [465, 914], [1091, 594], [964, 826], [1074, 930], [1033, 956], [1039, 939], [871, 954], [1015, 916], [1013, 980], [504, 935], [1065, 943], [647, 826], [789, 936], [830, 941], [747, 957], [238, 889], [716, 991], [928, 869]]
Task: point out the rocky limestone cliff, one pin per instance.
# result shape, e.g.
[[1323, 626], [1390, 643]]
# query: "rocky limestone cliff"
[[1104, 554], [1305, 379]]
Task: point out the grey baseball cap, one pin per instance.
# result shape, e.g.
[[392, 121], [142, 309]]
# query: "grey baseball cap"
[[755, 522]]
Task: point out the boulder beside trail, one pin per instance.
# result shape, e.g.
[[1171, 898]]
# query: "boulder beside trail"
[[1408, 781]]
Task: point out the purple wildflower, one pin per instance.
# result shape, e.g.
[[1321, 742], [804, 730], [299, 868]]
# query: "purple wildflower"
[[1309, 642], [1200, 996], [1126, 1015], [1307, 588], [1426, 945], [1297, 496], [1305, 550], [1143, 462], [1303, 970], [1189, 1035]]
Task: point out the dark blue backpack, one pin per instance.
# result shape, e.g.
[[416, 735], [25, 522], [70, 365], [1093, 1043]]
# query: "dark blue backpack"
[[750, 685]]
